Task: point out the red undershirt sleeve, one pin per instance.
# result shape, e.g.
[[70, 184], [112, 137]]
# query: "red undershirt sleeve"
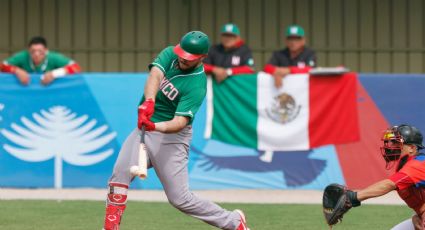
[[242, 70], [72, 68], [269, 68], [208, 68], [6, 68]]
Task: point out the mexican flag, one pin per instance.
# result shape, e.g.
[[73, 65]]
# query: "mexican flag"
[[306, 112]]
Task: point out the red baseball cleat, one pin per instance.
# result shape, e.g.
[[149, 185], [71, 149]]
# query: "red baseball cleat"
[[242, 225]]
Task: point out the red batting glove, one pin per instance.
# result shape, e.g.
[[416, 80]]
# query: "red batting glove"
[[147, 109], [149, 125]]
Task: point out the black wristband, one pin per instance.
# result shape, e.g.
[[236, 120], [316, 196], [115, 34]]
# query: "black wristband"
[[353, 198]]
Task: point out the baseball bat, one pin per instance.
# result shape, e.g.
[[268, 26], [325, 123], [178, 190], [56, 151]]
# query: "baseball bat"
[[141, 170]]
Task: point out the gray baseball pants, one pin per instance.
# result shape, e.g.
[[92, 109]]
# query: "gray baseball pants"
[[169, 154]]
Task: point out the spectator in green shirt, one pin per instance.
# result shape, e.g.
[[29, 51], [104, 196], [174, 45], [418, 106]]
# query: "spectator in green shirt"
[[39, 59]]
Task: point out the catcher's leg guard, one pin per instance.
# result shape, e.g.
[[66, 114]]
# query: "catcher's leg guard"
[[115, 205]]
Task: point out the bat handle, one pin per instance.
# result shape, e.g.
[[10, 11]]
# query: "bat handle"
[[142, 134]]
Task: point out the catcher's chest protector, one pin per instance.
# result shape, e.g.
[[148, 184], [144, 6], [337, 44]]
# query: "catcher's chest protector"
[[414, 198]]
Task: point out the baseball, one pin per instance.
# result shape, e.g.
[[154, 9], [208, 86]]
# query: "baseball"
[[134, 169]]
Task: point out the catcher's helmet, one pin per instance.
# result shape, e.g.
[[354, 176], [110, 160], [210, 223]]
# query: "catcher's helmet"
[[395, 137], [192, 46], [411, 135]]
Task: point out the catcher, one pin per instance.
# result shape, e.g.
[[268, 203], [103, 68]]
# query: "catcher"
[[401, 145]]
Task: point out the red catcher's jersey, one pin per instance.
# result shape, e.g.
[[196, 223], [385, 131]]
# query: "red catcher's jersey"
[[410, 182]]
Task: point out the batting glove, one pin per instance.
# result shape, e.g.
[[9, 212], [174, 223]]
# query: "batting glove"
[[143, 120], [147, 109]]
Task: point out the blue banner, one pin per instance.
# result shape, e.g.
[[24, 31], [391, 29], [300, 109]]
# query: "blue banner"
[[68, 134]]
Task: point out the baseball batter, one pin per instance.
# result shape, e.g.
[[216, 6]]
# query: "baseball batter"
[[174, 91]]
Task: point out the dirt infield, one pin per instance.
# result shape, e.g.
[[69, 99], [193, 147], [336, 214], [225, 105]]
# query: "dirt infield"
[[224, 196]]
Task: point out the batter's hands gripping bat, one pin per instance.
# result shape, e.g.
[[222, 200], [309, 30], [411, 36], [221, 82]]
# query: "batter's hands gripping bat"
[[141, 170]]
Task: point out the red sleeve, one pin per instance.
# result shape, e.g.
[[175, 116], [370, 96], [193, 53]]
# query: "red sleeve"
[[401, 180], [269, 68], [295, 69], [72, 68], [242, 70], [7, 68], [415, 169], [208, 68]]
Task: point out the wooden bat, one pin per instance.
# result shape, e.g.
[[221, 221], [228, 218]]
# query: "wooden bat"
[[141, 170]]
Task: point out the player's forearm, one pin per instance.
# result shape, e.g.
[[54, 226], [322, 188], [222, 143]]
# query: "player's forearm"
[[276, 71], [378, 189], [295, 69], [173, 126], [72, 68], [282, 71], [152, 84]]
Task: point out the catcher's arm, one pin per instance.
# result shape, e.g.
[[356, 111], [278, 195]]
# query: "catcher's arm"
[[378, 189], [337, 200]]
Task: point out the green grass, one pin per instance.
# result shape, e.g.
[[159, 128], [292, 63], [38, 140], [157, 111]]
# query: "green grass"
[[85, 215]]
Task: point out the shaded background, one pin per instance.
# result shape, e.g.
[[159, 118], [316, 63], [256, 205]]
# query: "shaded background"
[[124, 35]]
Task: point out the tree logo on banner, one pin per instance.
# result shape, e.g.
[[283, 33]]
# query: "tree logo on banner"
[[60, 134]]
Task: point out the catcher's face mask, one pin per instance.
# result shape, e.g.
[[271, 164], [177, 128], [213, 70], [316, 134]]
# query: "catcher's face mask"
[[393, 144]]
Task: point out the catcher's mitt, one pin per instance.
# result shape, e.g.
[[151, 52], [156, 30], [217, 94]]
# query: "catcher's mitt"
[[337, 200]]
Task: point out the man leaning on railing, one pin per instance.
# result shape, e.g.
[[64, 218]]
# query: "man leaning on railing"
[[295, 58], [38, 59]]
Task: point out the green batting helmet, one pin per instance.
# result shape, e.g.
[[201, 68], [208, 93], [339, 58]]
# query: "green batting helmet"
[[192, 46]]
